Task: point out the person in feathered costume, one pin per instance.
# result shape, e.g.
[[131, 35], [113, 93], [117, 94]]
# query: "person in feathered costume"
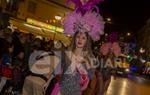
[[108, 51], [84, 25]]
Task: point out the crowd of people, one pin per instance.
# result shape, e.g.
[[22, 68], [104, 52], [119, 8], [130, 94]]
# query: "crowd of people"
[[20, 53], [34, 66], [14, 56], [31, 66]]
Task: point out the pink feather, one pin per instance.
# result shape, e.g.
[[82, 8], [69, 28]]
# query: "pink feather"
[[91, 22], [116, 49], [84, 7], [106, 48]]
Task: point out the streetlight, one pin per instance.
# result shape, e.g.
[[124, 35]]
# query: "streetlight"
[[108, 19], [57, 17], [128, 34], [7, 1], [142, 50], [106, 34]]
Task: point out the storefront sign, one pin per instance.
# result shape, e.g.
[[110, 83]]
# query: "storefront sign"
[[44, 25]]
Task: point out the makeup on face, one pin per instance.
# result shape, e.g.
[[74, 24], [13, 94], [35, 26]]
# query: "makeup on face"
[[81, 40]]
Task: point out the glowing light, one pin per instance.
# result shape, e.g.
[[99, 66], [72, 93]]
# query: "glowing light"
[[48, 30], [133, 68], [142, 60], [128, 34], [130, 58], [54, 21], [7, 1], [35, 27], [50, 21], [106, 34], [59, 29], [142, 50], [47, 21], [45, 25], [57, 17], [68, 35], [127, 70], [108, 19]]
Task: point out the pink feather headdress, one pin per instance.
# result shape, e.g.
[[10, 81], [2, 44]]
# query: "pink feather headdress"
[[110, 47], [84, 5], [90, 22]]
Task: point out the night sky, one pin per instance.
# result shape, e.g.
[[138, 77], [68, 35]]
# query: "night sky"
[[127, 15]]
